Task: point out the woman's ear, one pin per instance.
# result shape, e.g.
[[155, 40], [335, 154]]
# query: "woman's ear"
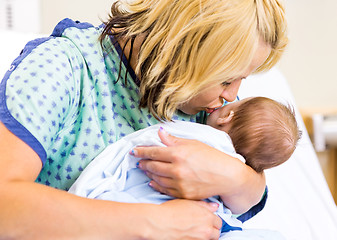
[[224, 120]]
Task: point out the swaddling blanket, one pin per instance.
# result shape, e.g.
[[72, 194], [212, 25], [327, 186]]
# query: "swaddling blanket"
[[113, 174]]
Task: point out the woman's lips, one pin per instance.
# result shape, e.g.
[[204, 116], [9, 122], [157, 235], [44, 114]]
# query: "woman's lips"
[[209, 110]]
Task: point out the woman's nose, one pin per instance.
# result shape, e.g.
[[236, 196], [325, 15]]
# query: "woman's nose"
[[231, 91]]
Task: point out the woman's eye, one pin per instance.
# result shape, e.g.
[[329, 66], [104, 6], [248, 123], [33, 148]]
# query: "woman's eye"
[[226, 83]]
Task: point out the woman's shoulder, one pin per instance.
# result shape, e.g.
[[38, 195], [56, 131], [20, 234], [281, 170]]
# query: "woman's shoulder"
[[68, 24]]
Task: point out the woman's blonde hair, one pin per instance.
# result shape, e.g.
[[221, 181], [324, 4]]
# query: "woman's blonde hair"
[[191, 45]]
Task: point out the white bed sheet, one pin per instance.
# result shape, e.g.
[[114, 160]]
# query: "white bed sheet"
[[300, 205]]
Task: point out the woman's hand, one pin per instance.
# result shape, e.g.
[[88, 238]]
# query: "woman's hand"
[[183, 169], [184, 219], [193, 170]]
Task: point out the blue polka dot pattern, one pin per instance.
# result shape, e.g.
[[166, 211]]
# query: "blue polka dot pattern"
[[65, 93]]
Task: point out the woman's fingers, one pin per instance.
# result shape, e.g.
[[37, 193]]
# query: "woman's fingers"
[[158, 168], [168, 139], [165, 190], [153, 153], [217, 222], [195, 220], [182, 169], [159, 153], [162, 181], [215, 234], [211, 206], [164, 185]]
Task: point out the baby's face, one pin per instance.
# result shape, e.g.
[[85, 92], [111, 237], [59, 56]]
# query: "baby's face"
[[223, 112]]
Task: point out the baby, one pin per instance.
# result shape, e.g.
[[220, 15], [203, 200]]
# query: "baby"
[[264, 134], [263, 131]]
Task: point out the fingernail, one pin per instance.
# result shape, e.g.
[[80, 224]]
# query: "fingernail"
[[162, 130], [151, 184], [132, 152], [139, 165], [213, 204]]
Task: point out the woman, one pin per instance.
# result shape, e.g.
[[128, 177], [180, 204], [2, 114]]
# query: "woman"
[[68, 96]]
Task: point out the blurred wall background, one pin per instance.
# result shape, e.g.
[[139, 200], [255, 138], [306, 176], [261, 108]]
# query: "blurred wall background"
[[310, 62], [83, 10]]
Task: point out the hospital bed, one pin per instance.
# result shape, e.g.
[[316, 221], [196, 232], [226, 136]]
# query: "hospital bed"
[[300, 205]]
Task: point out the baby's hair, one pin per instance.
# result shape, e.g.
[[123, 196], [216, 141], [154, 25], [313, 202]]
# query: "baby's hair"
[[265, 132], [191, 45]]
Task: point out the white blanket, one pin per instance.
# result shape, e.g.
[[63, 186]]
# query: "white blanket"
[[113, 174]]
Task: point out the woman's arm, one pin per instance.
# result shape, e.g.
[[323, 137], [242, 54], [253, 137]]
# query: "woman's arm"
[[193, 170], [33, 211]]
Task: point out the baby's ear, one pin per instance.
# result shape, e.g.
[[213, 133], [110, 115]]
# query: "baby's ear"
[[225, 120]]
